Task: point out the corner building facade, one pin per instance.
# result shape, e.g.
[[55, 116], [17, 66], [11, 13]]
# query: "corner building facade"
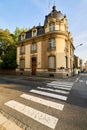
[[46, 50]]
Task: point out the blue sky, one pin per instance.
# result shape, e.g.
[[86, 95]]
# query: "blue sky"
[[27, 13]]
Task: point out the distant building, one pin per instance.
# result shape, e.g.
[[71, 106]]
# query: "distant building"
[[78, 67], [85, 68], [47, 50]]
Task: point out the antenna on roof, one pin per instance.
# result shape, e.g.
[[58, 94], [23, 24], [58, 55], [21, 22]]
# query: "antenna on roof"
[[49, 6], [54, 2]]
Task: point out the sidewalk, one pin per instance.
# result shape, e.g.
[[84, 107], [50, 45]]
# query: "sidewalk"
[[6, 124], [42, 79]]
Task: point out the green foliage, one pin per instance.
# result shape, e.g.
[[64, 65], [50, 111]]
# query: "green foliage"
[[17, 32], [5, 36], [5, 40], [9, 59], [8, 47]]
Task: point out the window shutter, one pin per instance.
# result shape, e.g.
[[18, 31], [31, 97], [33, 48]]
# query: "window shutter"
[[51, 62]]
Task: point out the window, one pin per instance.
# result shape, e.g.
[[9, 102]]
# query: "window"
[[51, 44], [22, 64], [34, 33], [33, 48], [51, 26], [22, 49], [51, 62], [66, 61], [23, 36]]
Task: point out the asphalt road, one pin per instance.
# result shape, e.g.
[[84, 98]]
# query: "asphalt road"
[[45, 104]]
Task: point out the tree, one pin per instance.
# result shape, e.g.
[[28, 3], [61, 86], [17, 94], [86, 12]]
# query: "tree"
[[5, 40], [8, 47], [17, 32], [9, 59]]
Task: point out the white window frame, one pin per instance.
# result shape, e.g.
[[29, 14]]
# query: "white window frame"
[[22, 49], [33, 47], [23, 36], [52, 26], [34, 33], [51, 43]]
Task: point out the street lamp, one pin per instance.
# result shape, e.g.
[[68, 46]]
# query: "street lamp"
[[79, 45]]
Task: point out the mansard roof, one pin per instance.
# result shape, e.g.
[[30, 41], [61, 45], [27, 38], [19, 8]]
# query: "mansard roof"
[[40, 31]]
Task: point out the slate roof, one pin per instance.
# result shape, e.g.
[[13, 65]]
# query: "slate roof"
[[40, 31]]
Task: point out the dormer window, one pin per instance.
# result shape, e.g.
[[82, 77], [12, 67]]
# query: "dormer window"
[[23, 36], [52, 26], [34, 33]]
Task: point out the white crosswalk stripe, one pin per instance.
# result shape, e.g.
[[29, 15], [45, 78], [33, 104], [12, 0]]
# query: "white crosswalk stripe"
[[56, 96], [65, 83], [43, 101], [41, 117], [55, 89], [59, 84], [58, 87], [86, 81]]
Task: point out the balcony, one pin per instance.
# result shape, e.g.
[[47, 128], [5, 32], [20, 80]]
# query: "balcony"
[[51, 48]]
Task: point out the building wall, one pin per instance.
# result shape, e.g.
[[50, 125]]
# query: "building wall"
[[63, 51]]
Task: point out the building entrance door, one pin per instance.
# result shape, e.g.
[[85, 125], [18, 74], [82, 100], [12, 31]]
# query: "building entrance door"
[[34, 66]]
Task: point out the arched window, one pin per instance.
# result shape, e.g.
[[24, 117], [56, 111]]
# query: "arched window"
[[34, 33], [51, 62], [23, 35], [52, 26]]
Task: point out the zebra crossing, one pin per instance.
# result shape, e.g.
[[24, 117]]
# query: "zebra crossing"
[[81, 81], [56, 90]]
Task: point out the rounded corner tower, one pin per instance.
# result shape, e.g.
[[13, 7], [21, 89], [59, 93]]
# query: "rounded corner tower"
[[47, 50], [58, 18]]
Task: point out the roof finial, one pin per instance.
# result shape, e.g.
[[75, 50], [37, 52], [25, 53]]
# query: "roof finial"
[[54, 6], [54, 3]]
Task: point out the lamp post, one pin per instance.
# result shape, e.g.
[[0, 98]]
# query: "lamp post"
[[79, 45]]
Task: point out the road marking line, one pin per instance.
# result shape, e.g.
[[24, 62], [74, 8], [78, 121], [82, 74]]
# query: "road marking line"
[[41, 117], [68, 86], [43, 101], [67, 83], [86, 81], [55, 86], [49, 94], [81, 81], [54, 90]]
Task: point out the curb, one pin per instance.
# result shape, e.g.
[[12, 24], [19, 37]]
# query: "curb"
[[6, 124]]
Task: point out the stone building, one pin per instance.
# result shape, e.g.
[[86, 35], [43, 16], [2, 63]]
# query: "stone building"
[[47, 50], [78, 67], [85, 68]]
